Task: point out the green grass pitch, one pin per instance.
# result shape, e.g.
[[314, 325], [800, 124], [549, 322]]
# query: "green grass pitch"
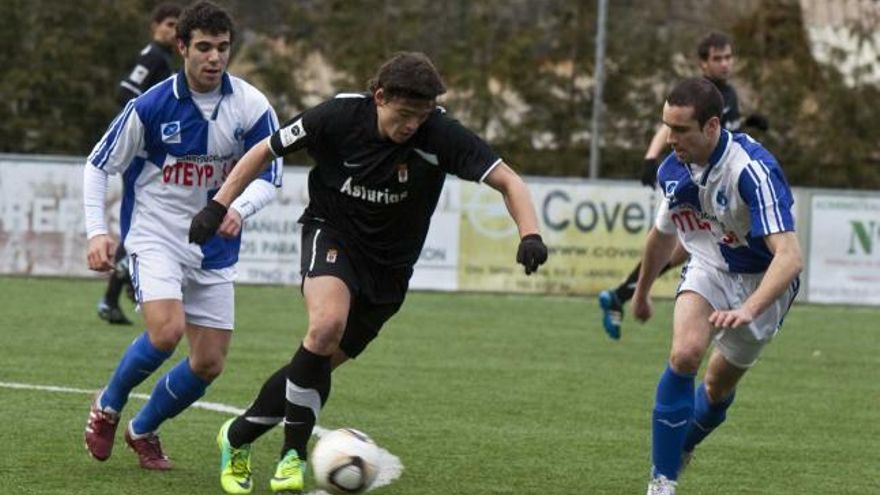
[[475, 393]]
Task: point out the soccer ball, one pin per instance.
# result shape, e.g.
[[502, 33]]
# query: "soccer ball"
[[345, 461]]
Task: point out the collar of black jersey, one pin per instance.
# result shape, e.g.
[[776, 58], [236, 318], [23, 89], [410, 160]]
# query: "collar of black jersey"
[[717, 153], [181, 89]]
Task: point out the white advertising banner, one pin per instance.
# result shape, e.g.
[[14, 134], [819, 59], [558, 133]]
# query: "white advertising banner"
[[844, 256], [42, 231]]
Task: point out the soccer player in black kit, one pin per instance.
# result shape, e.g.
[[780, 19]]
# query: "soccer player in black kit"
[[716, 64], [152, 65], [380, 163]]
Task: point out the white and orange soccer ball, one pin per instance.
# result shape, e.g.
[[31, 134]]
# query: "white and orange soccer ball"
[[345, 461]]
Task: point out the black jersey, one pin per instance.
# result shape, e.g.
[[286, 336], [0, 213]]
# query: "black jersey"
[[153, 65], [730, 118], [376, 194]]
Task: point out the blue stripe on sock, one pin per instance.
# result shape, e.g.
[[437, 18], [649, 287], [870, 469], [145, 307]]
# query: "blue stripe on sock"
[[673, 410], [138, 362], [707, 417], [174, 392]]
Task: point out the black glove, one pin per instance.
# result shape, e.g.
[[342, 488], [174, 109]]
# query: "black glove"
[[206, 222], [758, 121], [532, 253], [649, 173]]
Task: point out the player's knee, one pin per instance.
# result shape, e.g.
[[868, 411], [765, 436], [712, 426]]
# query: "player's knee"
[[685, 360], [207, 367], [166, 335], [324, 339]]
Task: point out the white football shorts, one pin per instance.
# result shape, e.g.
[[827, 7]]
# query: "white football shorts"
[[208, 295], [724, 290]]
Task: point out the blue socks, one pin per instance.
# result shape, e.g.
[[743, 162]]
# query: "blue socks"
[[139, 361], [673, 411], [173, 393], [707, 417]]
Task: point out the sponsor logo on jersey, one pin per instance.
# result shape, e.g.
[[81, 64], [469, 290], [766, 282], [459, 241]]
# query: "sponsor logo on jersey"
[[292, 133], [331, 256], [170, 132], [402, 173], [198, 170], [383, 196], [349, 164]]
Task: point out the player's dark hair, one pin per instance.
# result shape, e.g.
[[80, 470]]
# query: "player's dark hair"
[[207, 17], [700, 94], [716, 40], [163, 11], [408, 75]]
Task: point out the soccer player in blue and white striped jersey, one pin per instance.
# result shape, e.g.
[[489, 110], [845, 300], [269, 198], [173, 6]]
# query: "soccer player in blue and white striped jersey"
[[174, 145], [727, 201]]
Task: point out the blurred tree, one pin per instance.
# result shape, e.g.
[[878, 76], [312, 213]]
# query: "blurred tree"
[[518, 71], [61, 63]]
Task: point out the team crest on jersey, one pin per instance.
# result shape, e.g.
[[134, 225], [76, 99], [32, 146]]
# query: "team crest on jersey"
[[170, 132], [238, 133], [721, 199], [402, 173], [331, 256], [669, 188]]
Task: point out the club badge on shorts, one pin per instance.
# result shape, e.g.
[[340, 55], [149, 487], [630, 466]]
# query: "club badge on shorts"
[[331, 256], [402, 173]]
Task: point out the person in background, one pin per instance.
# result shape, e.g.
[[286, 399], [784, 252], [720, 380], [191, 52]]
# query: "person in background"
[[153, 64]]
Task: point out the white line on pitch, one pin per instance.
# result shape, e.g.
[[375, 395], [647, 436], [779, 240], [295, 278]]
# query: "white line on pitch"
[[390, 467]]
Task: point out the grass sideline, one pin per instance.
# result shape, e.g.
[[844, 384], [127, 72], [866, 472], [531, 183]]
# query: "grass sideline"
[[477, 394]]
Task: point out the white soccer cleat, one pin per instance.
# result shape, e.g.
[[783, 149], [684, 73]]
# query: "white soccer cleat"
[[661, 485]]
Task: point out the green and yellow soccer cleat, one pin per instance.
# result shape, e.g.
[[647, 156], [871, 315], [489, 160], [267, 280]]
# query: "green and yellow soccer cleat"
[[235, 464], [289, 474]]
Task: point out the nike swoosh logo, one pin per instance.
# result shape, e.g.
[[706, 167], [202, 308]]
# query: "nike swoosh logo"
[[673, 425], [244, 484], [352, 165]]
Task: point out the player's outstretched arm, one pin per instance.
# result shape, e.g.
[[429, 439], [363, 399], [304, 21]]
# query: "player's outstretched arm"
[[532, 252], [787, 263], [658, 249], [206, 222]]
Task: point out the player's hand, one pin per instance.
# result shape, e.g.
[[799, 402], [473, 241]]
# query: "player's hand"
[[532, 253], [649, 173], [231, 225], [758, 121], [731, 318], [642, 308], [206, 222], [100, 255]]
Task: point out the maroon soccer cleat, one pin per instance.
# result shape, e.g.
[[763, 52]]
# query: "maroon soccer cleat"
[[149, 451], [100, 431]]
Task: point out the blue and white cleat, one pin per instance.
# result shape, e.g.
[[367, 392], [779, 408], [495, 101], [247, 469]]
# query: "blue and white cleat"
[[612, 313]]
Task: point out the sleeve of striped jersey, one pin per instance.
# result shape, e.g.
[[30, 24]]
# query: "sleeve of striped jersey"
[[264, 127], [770, 201], [258, 194], [94, 196], [122, 141], [663, 221]]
